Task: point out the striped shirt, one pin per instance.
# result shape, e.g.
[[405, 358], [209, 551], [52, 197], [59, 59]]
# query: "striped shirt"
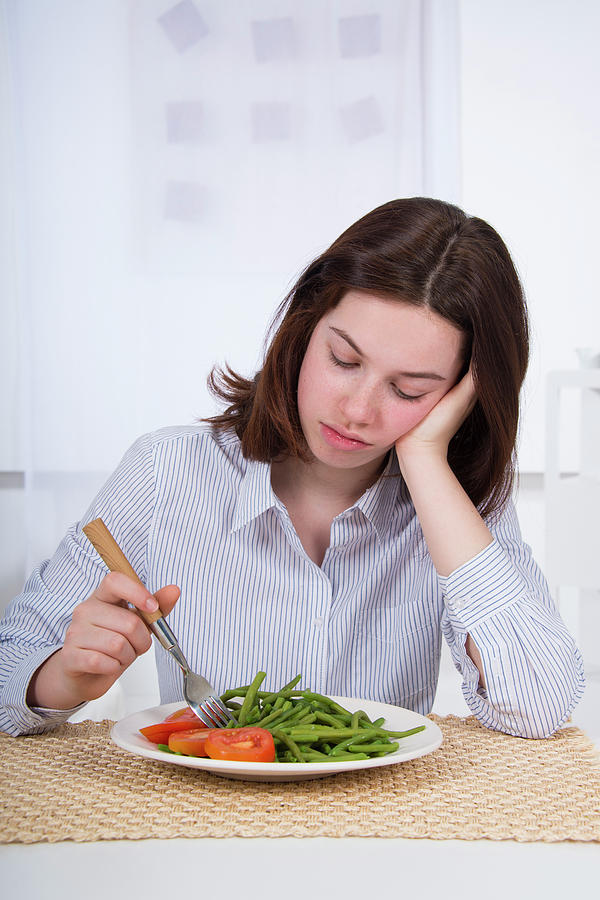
[[188, 509]]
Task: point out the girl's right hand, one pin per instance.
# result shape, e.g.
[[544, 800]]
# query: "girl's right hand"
[[103, 639]]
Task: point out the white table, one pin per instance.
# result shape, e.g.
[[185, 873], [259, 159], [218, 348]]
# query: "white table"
[[297, 869]]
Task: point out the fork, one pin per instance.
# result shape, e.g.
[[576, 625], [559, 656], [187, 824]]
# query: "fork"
[[198, 693]]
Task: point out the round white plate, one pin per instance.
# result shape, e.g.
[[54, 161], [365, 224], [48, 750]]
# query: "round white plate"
[[126, 734]]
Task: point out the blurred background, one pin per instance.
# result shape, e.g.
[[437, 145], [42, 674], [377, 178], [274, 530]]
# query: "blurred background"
[[168, 169]]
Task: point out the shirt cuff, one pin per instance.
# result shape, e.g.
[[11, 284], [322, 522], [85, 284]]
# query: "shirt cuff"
[[24, 719], [481, 587]]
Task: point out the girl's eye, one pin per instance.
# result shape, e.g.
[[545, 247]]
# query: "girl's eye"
[[350, 365], [339, 362], [404, 396]]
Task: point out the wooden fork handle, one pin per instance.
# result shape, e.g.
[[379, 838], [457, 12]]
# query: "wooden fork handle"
[[105, 545]]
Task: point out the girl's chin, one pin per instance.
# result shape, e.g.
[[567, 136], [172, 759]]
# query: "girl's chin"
[[341, 459]]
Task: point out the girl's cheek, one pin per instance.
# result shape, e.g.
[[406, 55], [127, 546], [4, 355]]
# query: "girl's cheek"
[[411, 416]]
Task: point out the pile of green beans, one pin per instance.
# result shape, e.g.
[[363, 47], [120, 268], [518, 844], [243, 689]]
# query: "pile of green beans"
[[310, 727]]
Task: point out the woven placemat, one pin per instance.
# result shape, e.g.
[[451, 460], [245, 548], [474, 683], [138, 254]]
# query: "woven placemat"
[[74, 784]]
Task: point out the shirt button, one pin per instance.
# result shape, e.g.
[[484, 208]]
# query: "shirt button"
[[318, 621], [458, 604]]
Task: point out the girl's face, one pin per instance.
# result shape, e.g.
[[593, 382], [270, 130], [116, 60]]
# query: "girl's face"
[[372, 370]]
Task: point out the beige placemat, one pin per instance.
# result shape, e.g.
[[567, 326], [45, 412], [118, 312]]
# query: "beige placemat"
[[75, 784]]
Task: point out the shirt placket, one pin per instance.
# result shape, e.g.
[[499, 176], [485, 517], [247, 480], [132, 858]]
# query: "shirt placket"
[[318, 598]]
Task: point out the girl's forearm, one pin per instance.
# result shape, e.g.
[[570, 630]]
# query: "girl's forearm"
[[452, 527], [49, 688]]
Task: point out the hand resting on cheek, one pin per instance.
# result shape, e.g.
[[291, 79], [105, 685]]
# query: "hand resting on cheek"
[[434, 432]]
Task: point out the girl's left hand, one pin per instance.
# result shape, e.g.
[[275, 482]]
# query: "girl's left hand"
[[434, 432]]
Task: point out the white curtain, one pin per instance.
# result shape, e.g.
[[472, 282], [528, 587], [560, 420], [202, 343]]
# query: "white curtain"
[[169, 170]]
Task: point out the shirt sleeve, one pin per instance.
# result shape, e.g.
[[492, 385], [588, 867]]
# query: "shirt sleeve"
[[534, 673], [35, 623]]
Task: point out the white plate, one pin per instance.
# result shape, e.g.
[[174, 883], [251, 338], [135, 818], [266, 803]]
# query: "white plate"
[[126, 735]]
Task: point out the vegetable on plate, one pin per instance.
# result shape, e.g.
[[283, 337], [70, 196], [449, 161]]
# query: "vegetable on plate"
[[189, 743], [243, 744], [289, 725], [181, 720]]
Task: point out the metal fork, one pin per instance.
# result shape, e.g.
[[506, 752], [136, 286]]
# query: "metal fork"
[[198, 693]]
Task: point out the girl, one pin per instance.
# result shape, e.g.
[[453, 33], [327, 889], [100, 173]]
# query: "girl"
[[350, 505]]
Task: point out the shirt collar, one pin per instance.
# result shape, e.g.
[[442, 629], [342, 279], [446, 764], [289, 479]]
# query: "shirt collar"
[[255, 496], [379, 502]]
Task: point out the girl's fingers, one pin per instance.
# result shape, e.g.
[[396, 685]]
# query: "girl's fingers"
[[167, 598], [117, 589], [93, 661], [105, 636], [95, 614]]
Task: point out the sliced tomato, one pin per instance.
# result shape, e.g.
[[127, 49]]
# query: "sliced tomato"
[[186, 713], [191, 742], [249, 744], [181, 720]]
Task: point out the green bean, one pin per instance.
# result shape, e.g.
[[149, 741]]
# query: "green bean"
[[316, 733], [359, 736], [253, 716], [327, 719], [344, 756], [305, 718], [289, 742], [235, 692], [328, 702], [312, 755], [373, 747], [382, 732], [277, 717], [250, 697], [287, 687], [361, 720]]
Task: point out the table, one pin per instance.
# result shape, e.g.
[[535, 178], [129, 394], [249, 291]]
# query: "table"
[[296, 869]]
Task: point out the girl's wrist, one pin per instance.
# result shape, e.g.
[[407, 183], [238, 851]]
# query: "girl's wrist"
[[49, 688], [421, 459]]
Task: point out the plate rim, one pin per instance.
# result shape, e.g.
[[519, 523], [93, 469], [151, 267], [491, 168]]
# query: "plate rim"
[[289, 771]]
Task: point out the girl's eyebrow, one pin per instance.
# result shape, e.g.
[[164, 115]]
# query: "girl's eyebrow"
[[429, 376]]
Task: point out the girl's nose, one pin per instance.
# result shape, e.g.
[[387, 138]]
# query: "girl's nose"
[[359, 406]]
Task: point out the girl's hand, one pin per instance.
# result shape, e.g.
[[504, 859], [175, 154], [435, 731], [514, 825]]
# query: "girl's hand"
[[103, 639], [434, 432]]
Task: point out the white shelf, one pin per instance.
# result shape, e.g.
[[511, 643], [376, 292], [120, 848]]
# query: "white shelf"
[[572, 546], [573, 501]]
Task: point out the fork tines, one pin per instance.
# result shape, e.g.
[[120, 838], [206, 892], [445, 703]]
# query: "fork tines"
[[216, 711]]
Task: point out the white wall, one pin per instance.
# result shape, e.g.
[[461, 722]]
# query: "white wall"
[[529, 135], [530, 131]]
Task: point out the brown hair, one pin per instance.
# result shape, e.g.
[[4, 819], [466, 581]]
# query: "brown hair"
[[420, 251]]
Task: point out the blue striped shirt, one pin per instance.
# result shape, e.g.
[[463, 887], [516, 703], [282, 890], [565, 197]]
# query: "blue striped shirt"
[[188, 509]]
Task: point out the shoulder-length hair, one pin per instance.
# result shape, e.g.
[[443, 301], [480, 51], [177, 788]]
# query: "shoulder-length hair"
[[420, 251]]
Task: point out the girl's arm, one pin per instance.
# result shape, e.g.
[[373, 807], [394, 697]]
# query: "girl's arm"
[[452, 527], [102, 640], [56, 651], [522, 673]]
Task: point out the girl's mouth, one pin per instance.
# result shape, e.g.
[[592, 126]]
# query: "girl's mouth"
[[340, 441]]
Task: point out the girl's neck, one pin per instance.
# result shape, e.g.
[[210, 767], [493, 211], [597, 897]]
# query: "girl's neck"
[[293, 478]]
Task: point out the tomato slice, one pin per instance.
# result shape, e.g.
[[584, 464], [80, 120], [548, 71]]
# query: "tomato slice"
[[181, 720], [191, 742], [249, 744], [186, 713]]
